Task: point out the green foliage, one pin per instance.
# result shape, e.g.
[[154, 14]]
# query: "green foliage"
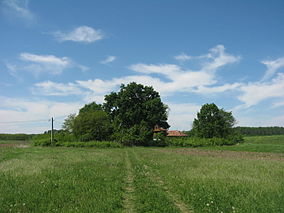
[[159, 139], [91, 107], [93, 125], [198, 142], [139, 134], [213, 122], [68, 124], [134, 111], [96, 144], [15, 136], [255, 131], [43, 142]]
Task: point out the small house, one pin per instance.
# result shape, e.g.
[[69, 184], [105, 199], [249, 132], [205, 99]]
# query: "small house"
[[175, 133]]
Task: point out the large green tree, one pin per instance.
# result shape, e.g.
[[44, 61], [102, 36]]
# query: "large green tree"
[[134, 111], [213, 122]]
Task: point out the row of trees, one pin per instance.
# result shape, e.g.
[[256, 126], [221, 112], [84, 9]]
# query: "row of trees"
[[127, 116], [15, 136], [254, 131]]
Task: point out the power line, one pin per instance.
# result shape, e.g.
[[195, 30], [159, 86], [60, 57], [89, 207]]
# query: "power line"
[[30, 121]]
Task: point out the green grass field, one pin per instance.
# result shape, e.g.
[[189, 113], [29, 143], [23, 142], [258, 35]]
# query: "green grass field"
[[36, 179], [274, 144], [13, 142]]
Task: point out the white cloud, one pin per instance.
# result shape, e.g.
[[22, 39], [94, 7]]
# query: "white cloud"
[[188, 80], [182, 57], [109, 59], [31, 116], [219, 58], [217, 89], [179, 80], [254, 93], [38, 64], [278, 104], [181, 115], [45, 59], [83, 34], [17, 8], [50, 88], [272, 67]]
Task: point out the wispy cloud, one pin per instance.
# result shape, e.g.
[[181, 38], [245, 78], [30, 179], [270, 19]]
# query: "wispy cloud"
[[181, 115], [17, 111], [17, 8], [256, 92], [108, 59], [38, 64], [50, 88], [82, 34], [272, 67], [179, 80], [182, 57]]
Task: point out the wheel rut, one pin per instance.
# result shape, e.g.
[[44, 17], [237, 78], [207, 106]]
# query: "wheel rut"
[[129, 190], [172, 196]]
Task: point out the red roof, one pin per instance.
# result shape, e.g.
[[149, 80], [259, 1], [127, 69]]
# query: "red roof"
[[175, 133]]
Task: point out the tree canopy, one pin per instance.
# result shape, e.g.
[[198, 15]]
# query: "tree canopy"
[[213, 122], [134, 111], [92, 125], [68, 124]]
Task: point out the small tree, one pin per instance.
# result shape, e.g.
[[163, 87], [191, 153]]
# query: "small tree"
[[93, 125], [213, 122], [68, 124]]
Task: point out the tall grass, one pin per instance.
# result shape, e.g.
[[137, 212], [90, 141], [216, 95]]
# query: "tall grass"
[[37, 179]]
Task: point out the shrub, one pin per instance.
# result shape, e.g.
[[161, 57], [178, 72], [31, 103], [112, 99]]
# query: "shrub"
[[43, 142], [97, 144], [197, 142], [159, 139]]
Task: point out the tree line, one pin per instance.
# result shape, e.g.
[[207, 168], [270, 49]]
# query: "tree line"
[[129, 116], [255, 131]]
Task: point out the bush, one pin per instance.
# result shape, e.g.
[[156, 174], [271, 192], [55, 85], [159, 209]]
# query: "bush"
[[139, 135], [159, 139], [97, 144], [43, 142], [197, 142]]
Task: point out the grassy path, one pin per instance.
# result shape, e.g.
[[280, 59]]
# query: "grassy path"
[[160, 183], [129, 194]]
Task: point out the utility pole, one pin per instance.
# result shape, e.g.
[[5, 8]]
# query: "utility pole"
[[51, 135]]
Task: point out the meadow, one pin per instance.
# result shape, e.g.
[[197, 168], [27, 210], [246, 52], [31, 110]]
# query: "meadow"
[[137, 179], [273, 144]]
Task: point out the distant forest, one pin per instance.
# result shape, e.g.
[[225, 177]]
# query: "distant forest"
[[255, 131], [15, 136]]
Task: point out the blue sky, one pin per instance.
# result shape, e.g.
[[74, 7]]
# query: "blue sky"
[[56, 56]]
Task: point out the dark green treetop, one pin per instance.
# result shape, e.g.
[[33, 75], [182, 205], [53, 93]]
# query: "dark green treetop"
[[213, 122]]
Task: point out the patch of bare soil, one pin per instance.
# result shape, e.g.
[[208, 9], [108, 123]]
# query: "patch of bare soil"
[[7, 145], [227, 154], [14, 145]]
